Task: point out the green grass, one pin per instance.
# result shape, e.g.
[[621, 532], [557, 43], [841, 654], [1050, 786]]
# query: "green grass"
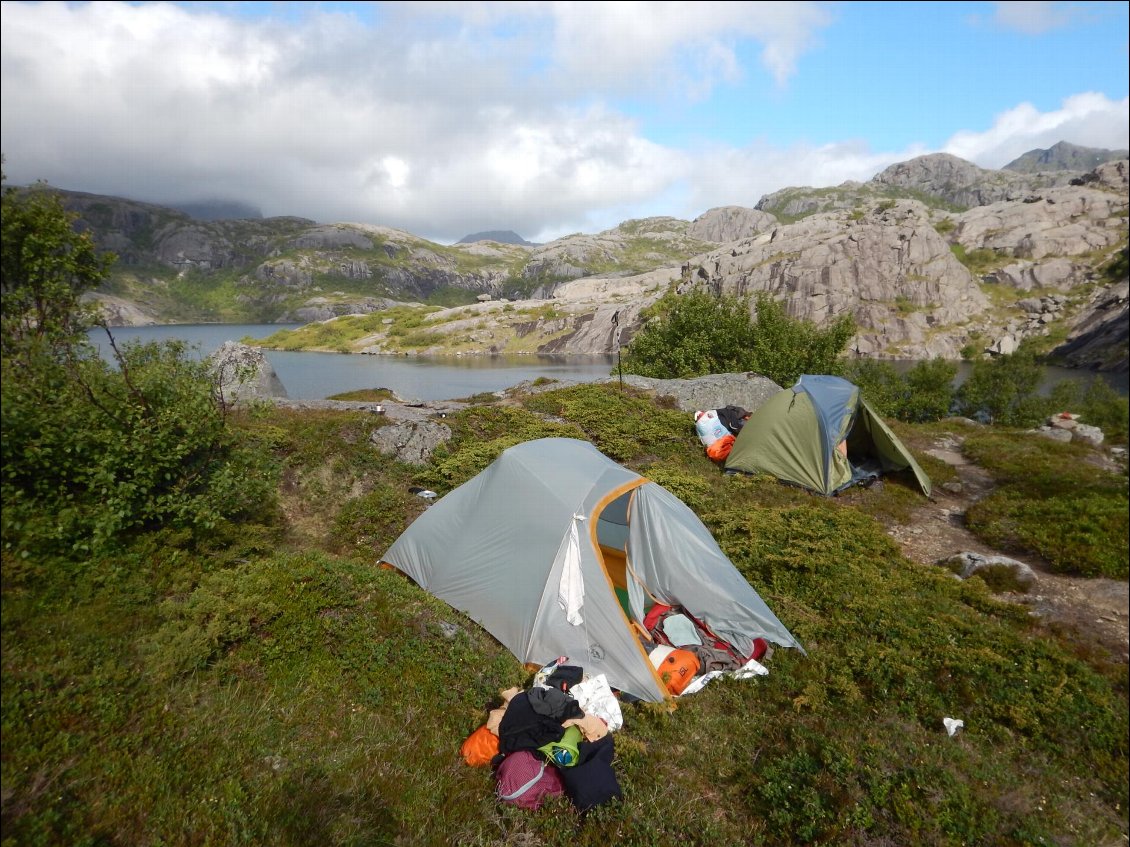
[[1052, 502], [364, 394], [279, 688]]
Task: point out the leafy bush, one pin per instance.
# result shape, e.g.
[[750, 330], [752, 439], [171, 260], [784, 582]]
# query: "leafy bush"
[[1003, 390], [700, 333], [92, 452], [1097, 404], [879, 384], [45, 268], [929, 393], [691, 335], [924, 393]]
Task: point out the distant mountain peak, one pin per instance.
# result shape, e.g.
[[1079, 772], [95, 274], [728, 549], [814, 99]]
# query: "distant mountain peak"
[[1064, 156], [502, 236]]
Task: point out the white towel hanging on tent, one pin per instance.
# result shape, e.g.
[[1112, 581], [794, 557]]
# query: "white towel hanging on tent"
[[571, 590]]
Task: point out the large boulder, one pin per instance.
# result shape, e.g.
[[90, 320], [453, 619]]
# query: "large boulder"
[[410, 442], [714, 391], [967, 565], [244, 374]]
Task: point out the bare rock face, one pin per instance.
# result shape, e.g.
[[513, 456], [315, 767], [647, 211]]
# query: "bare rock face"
[[1113, 175], [564, 258], [1063, 156], [964, 184], [116, 311], [796, 202], [606, 311], [1057, 222], [194, 247], [1056, 273], [730, 223], [890, 269], [244, 374], [1100, 339], [330, 237]]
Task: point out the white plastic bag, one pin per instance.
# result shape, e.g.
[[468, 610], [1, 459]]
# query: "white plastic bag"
[[595, 697], [709, 427]]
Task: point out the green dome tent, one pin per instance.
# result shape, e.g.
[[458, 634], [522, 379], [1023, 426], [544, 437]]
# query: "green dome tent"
[[797, 435], [555, 550]]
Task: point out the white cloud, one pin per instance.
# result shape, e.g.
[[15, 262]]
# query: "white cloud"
[[1034, 18], [431, 120], [731, 177], [1090, 120], [728, 176], [421, 127], [617, 44]]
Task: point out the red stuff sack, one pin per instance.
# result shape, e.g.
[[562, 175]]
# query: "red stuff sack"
[[525, 780]]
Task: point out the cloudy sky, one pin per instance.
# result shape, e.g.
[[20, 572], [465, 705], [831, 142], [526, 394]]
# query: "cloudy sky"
[[448, 118]]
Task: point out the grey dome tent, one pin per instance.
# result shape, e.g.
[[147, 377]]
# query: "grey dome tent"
[[795, 434], [555, 550]]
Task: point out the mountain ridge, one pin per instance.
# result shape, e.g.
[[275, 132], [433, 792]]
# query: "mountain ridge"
[[1066, 157], [933, 257], [506, 236]]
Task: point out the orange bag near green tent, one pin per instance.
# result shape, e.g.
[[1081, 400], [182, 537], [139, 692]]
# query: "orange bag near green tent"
[[480, 747]]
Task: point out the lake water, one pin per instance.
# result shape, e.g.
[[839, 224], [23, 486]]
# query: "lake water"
[[1120, 382], [315, 376]]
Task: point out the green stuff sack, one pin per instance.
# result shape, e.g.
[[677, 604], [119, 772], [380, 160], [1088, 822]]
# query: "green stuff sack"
[[564, 753]]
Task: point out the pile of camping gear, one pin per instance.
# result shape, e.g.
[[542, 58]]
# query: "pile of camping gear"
[[553, 739], [556, 737], [718, 429]]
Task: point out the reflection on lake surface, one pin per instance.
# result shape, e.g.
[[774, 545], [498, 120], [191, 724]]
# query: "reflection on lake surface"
[[315, 376]]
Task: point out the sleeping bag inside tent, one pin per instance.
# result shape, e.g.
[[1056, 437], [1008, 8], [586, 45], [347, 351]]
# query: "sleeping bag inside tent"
[[556, 550], [821, 435]]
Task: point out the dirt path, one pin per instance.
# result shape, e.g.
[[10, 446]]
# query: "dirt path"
[[1095, 611]]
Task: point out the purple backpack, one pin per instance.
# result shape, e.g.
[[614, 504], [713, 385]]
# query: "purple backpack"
[[525, 780]]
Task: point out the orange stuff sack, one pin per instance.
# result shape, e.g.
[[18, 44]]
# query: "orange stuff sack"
[[480, 747], [677, 669], [720, 449]]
